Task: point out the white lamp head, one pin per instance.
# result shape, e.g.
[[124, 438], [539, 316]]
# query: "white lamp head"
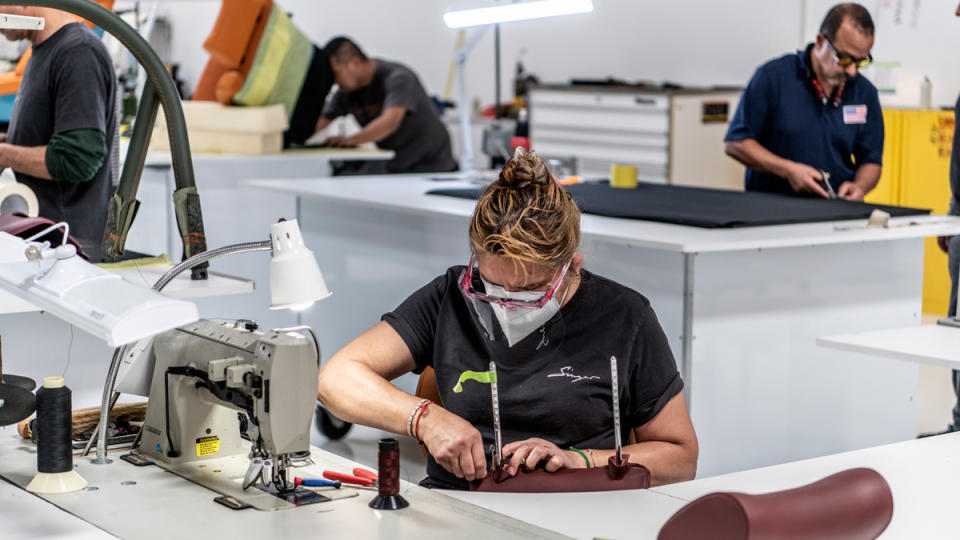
[[91, 298], [295, 278]]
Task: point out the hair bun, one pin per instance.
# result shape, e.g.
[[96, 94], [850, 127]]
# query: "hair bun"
[[523, 169]]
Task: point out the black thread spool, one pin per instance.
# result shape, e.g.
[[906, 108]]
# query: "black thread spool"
[[388, 473], [54, 428]]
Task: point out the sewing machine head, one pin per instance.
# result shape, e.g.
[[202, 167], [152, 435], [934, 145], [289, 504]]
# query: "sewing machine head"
[[206, 373]]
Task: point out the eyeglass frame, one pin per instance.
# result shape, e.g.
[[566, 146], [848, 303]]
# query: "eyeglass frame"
[[466, 287], [845, 59]]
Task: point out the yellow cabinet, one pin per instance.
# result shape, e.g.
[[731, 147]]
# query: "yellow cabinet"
[[916, 169]]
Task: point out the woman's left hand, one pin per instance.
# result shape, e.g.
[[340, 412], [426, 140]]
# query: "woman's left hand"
[[530, 452]]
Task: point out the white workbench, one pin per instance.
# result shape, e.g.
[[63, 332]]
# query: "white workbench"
[[144, 503], [928, 344], [922, 475], [742, 307]]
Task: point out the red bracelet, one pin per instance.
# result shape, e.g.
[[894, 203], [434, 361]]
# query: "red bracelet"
[[416, 426]]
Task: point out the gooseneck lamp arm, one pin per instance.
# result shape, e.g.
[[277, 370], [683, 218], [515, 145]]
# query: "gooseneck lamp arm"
[[109, 396], [163, 92]]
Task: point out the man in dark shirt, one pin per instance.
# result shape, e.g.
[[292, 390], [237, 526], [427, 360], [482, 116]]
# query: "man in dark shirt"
[[389, 102], [808, 123], [64, 123]]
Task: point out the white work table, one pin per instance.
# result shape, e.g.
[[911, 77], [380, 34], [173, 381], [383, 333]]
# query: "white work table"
[[144, 503], [928, 344], [921, 474], [741, 308], [409, 193]]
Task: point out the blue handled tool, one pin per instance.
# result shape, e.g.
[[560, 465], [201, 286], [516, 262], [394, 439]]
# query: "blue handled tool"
[[316, 482]]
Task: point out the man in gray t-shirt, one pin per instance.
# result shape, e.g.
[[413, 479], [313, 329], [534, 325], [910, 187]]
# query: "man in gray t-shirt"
[[64, 123], [389, 102]]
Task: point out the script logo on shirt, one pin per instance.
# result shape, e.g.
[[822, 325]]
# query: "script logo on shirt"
[[854, 114], [567, 371]]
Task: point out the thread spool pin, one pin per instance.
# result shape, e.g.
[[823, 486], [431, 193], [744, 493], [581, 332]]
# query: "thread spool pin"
[[388, 473]]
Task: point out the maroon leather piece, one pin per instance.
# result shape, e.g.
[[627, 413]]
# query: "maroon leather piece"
[[850, 505], [613, 477], [19, 224]]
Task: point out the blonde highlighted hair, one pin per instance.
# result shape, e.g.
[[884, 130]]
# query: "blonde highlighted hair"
[[526, 215]]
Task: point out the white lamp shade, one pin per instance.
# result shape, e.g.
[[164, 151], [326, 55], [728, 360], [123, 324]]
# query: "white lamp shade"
[[515, 11], [295, 278], [89, 297]]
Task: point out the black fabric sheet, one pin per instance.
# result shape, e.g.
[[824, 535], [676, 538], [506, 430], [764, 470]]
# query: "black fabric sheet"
[[708, 208]]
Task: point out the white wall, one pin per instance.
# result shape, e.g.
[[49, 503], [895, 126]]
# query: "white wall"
[[693, 42]]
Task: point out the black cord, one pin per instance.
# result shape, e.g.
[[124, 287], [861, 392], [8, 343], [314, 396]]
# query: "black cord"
[[166, 413]]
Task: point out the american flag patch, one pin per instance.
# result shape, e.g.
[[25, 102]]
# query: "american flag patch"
[[854, 114]]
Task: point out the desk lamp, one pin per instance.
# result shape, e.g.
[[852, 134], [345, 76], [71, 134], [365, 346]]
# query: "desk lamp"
[[295, 284], [483, 17]]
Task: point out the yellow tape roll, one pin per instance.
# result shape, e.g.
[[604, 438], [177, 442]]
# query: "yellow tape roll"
[[623, 176]]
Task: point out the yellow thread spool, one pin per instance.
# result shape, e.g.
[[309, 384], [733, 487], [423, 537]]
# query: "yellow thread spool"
[[623, 176]]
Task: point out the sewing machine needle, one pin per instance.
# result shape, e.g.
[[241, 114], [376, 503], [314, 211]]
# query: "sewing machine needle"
[[615, 387], [497, 436]]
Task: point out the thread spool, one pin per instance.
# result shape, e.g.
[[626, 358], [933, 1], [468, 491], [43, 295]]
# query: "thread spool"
[[388, 473], [54, 433]]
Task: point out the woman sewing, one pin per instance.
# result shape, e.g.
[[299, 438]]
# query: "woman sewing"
[[525, 302]]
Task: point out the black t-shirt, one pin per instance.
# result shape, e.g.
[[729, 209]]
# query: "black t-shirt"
[[69, 84], [421, 143], [555, 383]]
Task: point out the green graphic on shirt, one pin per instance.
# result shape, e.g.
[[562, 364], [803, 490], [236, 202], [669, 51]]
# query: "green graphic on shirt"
[[487, 377]]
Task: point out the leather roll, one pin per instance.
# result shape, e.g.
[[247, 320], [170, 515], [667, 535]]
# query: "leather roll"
[[613, 477], [850, 505]]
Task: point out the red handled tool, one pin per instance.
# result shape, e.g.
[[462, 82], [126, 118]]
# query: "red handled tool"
[[360, 477]]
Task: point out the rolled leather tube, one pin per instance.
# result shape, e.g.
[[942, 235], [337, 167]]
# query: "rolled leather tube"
[[613, 477], [849, 505]]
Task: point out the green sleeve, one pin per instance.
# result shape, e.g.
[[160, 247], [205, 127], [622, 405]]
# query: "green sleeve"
[[76, 155]]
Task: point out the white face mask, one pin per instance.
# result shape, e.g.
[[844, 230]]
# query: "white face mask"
[[518, 323]]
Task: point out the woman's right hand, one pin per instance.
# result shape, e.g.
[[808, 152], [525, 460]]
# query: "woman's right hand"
[[453, 442]]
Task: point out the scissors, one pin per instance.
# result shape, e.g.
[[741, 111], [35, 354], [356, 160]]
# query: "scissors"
[[825, 184]]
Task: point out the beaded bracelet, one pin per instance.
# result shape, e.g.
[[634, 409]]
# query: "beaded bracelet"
[[412, 414], [584, 456], [416, 425]]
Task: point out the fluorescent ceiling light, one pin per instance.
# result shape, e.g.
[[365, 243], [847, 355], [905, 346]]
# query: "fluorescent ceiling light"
[[20, 22], [519, 11], [89, 297]]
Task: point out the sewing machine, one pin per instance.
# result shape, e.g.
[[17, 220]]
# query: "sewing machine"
[[206, 373]]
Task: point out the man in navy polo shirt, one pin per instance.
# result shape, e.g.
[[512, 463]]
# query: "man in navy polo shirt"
[[808, 123]]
